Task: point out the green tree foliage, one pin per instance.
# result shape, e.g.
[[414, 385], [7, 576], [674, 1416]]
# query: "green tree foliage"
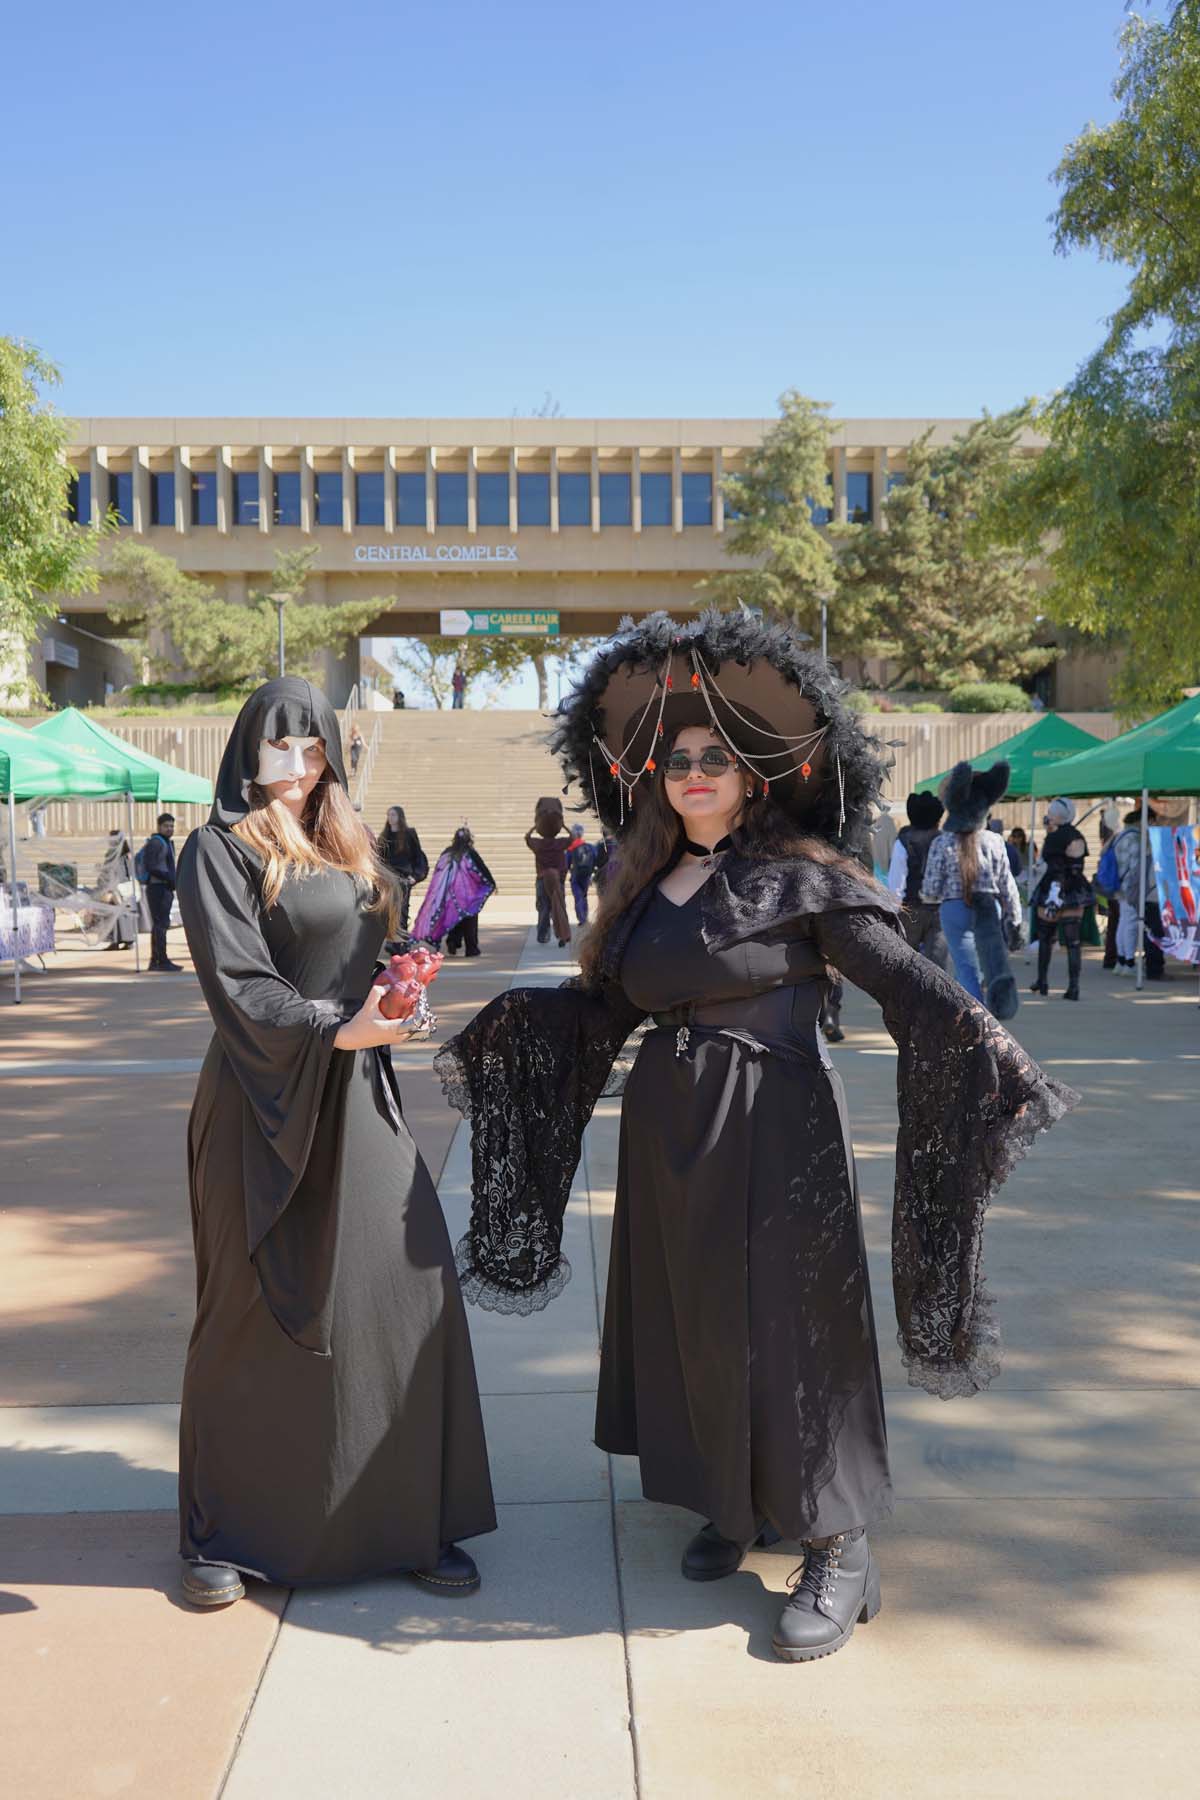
[[42, 556], [184, 627], [772, 502], [921, 585], [1115, 497]]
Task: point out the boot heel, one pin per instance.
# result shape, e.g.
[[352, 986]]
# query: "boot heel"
[[872, 1599]]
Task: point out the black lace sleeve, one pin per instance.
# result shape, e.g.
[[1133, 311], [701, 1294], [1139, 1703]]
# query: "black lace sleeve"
[[527, 1072], [971, 1103]]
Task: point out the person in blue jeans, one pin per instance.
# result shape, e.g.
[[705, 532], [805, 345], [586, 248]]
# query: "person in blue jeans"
[[967, 875]]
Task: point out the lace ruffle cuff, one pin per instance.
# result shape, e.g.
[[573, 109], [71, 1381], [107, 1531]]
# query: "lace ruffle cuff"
[[953, 1378], [451, 1071], [482, 1291]]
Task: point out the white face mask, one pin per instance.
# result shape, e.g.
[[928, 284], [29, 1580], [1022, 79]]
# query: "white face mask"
[[282, 764]]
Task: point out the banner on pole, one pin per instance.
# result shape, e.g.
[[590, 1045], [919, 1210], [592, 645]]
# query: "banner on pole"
[[1176, 853]]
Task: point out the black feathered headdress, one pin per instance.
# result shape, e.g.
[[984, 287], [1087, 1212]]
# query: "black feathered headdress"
[[970, 794], [778, 706]]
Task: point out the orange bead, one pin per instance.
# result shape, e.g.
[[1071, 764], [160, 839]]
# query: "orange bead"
[[651, 765], [670, 684], [806, 770], [613, 770], [695, 679]]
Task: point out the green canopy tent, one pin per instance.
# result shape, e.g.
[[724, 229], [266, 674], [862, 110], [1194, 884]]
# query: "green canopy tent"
[[1031, 752], [132, 772], [1162, 757], [30, 770]]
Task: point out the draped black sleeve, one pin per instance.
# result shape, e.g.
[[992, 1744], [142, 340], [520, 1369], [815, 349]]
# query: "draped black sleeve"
[[971, 1102], [527, 1072], [278, 1044]]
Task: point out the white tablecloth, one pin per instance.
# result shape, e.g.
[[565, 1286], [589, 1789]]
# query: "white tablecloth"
[[35, 929]]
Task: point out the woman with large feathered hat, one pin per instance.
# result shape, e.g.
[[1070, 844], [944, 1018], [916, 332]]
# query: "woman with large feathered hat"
[[739, 1360]]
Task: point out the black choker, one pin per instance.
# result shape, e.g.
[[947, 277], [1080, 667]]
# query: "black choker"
[[725, 843]]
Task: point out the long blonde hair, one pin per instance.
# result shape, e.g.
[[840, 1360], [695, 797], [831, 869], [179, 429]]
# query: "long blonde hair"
[[330, 836]]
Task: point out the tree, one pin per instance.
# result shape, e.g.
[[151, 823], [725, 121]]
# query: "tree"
[[771, 508], [1114, 496], [43, 557], [945, 605], [183, 625]]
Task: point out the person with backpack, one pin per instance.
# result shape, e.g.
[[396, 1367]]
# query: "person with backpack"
[[581, 866], [967, 876], [154, 866], [921, 921], [1126, 850]]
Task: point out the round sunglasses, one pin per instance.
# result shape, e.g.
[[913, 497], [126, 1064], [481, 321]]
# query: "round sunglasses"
[[713, 762]]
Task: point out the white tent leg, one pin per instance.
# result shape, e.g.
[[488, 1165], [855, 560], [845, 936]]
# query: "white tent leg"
[[136, 897], [1143, 845], [1029, 876], [12, 877]]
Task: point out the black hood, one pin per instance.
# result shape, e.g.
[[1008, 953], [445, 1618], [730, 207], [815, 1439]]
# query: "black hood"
[[287, 707]]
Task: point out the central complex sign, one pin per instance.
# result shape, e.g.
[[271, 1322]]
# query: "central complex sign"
[[507, 622], [443, 553]]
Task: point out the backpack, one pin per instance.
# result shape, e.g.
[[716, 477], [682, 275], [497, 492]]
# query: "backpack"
[[1108, 873], [141, 872], [583, 860]]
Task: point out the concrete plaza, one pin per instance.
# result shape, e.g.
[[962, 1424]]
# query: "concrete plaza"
[[1039, 1633]]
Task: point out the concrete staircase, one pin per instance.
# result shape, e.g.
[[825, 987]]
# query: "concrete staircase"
[[484, 769]]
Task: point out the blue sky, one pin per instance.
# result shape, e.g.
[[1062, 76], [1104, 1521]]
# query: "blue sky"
[[650, 209]]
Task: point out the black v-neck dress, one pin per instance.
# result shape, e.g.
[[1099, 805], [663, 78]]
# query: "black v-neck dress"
[[739, 1359]]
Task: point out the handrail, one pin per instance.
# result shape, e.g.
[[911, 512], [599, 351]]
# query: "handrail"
[[367, 762]]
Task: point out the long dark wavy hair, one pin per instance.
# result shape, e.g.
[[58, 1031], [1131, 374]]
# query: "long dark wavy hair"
[[654, 839]]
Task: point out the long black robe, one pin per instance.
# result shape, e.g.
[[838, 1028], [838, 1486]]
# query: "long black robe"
[[739, 1358], [331, 1425]]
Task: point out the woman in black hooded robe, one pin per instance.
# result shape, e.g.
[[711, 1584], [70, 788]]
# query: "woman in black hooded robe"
[[331, 1425], [739, 1359]]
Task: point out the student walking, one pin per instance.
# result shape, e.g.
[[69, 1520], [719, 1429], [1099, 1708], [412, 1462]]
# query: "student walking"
[[581, 866], [968, 877]]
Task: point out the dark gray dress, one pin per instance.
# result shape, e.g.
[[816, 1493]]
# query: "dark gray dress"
[[739, 1357], [331, 1425]]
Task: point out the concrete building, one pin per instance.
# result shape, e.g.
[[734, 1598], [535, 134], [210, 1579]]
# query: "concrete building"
[[585, 518]]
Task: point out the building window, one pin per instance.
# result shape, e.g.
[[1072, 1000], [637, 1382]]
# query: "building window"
[[451, 499], [491, 500], [410, 501], [245, 497], [896, 478], [327, 491], [204, 497], [162, 499], [120, 494], [368, 499], [287, 497], [858, 497], [574, 499], [79, 498], [533, 499], [616, 506], [697, 499], [656, 500]]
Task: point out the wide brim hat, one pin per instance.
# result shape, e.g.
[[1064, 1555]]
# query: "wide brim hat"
[[778, 706]]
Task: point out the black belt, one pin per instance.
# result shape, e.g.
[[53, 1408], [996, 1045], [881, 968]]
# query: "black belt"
[[752, 1019]]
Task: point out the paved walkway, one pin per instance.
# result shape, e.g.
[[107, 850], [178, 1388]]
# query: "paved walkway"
[[1039, 1632]]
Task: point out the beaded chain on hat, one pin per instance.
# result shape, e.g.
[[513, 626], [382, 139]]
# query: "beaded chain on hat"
[[799, 749]]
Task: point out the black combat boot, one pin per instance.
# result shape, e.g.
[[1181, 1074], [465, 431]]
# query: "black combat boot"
[[1045, 952], [211, 1584], [710, 1557], [838, 1588]]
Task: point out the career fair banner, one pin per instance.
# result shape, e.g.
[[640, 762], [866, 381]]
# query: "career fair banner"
[[1176, 853]]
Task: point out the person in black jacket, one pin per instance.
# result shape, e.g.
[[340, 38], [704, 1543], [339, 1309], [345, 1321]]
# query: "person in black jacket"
[[1060, 897], [158, 869], [922, 926], [400, 848]]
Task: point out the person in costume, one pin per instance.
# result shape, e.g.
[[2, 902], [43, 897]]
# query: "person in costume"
[[400, 850], [331, 1427], [739, 1357], [549, 841], [1062, 894], [459, 888], [968, 878], [922, 924]]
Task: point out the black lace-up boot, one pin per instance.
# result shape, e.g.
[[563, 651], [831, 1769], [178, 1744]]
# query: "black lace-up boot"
[[837, 1589]]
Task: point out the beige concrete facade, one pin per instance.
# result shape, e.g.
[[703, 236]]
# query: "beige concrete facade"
[[433, 514]]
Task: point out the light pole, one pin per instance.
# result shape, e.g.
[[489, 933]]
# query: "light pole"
[[279, 601], [825, 596]]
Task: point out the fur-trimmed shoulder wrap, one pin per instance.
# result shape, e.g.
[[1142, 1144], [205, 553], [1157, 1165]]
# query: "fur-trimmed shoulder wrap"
[[748, 895]]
